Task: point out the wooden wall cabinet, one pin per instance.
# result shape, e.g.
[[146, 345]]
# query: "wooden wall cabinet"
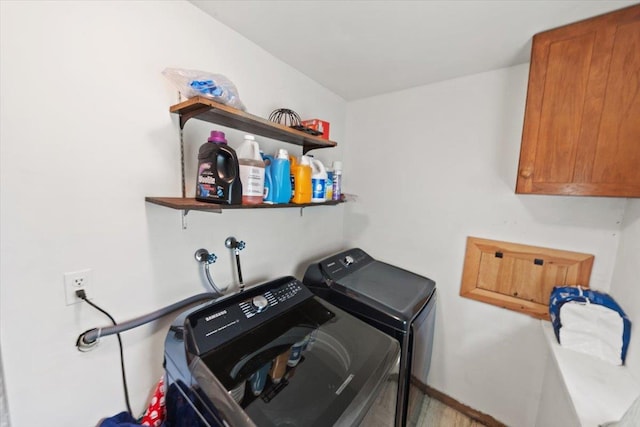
[[581, 131]]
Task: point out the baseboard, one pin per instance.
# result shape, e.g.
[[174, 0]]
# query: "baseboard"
[[474, 414]]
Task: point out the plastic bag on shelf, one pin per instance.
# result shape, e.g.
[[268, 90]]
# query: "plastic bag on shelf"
[[217, 87], [590, 322]]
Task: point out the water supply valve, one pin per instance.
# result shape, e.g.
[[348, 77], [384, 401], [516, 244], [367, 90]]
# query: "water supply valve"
[[233, 243], [236, 246], [206, 258], [203, 255]]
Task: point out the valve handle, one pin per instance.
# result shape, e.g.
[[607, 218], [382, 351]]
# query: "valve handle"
[[233, 243], [203, 255]]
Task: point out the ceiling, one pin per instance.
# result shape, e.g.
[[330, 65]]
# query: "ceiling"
[[359, 49]]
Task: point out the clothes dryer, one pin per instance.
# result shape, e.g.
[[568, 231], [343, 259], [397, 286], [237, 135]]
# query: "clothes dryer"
[[396, 301]]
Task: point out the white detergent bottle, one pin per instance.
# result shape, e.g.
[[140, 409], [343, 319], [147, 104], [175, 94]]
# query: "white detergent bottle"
[[251, 171], [318, 179]]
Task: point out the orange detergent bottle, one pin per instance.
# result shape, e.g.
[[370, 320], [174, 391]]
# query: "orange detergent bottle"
[[301, 180]]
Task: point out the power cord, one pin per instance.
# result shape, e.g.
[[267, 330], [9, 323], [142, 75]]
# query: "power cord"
[[83, 296]]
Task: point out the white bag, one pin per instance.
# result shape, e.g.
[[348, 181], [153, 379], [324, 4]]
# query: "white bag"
[[590, 322], [592, 329]]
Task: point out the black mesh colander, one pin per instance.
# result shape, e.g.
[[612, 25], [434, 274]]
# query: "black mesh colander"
[[290, 118]]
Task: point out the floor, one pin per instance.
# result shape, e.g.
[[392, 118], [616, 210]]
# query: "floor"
[[433, 413], [437, 414]]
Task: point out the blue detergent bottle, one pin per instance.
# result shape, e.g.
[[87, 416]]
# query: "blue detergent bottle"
[[268, 178], [281, 177]]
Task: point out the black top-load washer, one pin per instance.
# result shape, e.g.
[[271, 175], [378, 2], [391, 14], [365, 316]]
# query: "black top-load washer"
[[274, 355], [396, 301]]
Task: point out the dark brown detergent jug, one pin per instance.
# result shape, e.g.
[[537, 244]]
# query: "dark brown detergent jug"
[[218, 179]]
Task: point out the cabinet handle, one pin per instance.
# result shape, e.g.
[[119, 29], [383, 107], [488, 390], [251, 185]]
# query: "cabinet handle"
[[526, 173]]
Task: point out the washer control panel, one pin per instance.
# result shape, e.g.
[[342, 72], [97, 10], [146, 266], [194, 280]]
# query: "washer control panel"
[[340, 265], [253, 306], [217, 323], [285, 293], [259, 303]]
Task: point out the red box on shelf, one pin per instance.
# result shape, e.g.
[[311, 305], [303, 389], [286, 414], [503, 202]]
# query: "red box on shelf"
[[318, 125]]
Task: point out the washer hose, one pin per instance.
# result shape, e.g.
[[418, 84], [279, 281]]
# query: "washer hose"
[[90, 338]]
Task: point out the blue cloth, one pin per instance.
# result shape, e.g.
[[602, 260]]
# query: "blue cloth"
[[123, 419], [207, 87], [180, 413]]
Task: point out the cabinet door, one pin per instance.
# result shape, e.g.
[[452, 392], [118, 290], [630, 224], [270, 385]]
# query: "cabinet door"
[[581, 131]]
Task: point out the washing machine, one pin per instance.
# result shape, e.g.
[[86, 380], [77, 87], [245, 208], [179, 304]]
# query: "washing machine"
[[274, 355], [396, 301]]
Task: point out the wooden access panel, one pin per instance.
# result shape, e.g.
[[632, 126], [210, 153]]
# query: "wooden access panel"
[[520, 277]]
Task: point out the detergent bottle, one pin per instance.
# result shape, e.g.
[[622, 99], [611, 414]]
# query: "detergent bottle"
[[218, 179], [293, 164], [301, 178], [268, 179], [328, 185], [318, 180], [251, 171], [337, 180], [280, 177]]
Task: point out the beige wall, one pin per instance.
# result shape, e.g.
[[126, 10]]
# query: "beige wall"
[[435, 164], [625, 286], [85, 135]]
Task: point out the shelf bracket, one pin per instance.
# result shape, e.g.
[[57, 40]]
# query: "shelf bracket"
[[308, 147], [182, 167], [184, 117], [184, 218]]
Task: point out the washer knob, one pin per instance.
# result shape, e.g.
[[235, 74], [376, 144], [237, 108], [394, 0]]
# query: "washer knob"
[[260, 303], [348, 260]]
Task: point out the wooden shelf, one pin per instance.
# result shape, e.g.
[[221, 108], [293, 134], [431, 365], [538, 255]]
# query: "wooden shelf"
[[191, 204], [213, 112]]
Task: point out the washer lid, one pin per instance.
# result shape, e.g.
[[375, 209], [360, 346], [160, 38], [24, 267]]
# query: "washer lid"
[[342, 365], [399, 292]]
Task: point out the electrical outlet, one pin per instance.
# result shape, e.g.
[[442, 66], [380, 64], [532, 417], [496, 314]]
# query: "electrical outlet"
[[74, 281]]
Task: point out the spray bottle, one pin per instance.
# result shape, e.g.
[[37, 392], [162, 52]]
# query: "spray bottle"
[[337, 180]]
